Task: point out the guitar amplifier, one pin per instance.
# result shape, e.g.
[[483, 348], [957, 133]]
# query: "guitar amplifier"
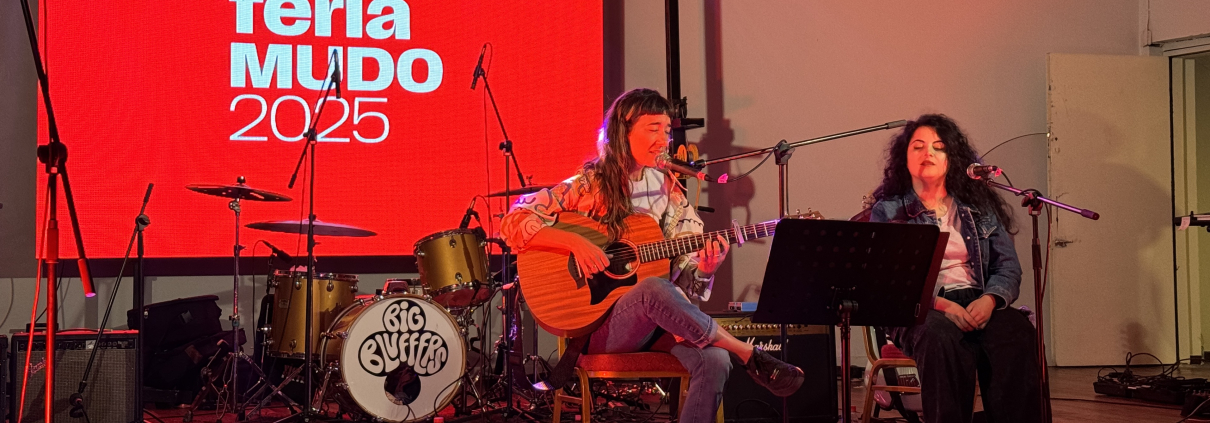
[[811, 348], [110, 394]]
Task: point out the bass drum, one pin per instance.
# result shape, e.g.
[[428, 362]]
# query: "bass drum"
[[400, 358]]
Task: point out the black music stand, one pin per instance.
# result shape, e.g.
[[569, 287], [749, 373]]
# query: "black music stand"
[[840, 273]]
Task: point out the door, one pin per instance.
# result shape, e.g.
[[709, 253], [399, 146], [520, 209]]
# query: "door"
[[1111, 287]]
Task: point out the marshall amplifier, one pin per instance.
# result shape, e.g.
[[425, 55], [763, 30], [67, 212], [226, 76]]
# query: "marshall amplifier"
[[811, 348], [109, 396]]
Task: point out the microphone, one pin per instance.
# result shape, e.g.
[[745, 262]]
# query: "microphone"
[[466, 218], [336, 74], [979, 171], [663, 161], [278, 253], [479, 67]]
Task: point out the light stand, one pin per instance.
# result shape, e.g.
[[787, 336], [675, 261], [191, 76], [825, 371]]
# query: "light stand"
[[783, 150], [1033, 200], [54, 156], [309, 149]]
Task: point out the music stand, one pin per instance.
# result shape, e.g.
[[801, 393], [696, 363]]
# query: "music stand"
[[840, 273]]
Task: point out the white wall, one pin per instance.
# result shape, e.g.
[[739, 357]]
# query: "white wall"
[[763, 71], [1170, 20]]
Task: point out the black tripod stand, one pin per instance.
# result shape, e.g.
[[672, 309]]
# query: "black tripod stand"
[[308, 413], [1033, 200], [505, 345], [76, 399]]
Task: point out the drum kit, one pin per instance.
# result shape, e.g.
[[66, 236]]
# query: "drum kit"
[[399, 355]]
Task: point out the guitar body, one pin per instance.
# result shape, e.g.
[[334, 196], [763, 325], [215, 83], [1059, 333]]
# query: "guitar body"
[[566, 304]]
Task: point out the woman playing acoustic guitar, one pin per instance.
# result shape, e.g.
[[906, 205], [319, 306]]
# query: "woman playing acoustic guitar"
[[621, 182]]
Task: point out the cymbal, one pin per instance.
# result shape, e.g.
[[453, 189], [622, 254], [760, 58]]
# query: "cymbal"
[[239, 191], [521, 191], [321, 228]]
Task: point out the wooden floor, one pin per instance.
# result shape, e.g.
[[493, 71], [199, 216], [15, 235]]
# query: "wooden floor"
[[1073, 399]]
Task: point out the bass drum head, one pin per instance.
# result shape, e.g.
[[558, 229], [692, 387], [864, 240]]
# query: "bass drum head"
[[402, 359]]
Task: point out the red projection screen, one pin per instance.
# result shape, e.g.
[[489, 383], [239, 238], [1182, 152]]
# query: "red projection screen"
[[200, 92]]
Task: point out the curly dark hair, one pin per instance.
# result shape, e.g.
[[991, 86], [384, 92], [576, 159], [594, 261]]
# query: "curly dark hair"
[[610, 171], [897, 181]]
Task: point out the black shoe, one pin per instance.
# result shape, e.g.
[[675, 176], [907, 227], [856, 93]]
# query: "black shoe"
[[779, 377]]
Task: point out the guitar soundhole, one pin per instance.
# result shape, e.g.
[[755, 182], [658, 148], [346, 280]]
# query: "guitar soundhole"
[[622, 259]]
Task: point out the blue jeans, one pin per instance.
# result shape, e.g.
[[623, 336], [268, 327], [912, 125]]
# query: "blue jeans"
[[656, 303]]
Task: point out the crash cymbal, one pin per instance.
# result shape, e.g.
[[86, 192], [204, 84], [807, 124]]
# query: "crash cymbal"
[[239, 190], [321, 228], [521, 191]]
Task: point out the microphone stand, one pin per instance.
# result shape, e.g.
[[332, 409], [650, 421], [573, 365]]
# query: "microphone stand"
[[309, 149], [76, 400], [1033, 200], [54, 156], [783, 150], [510, 294]]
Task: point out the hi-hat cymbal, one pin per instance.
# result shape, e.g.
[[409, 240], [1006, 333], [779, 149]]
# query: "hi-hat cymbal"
[[239, 191], [321, 228], [521, 191]]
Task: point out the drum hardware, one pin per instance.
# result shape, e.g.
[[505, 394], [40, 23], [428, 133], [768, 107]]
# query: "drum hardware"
[[299, 227], [520, 191], [239, 191]]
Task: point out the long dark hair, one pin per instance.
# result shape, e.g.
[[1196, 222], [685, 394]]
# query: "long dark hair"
[[897, 181], [610, 171]]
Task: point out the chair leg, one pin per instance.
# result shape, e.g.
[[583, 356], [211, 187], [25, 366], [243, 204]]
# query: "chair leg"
[[868, 408], [718, 417], [585, 397], [557, 411], [684, 392]]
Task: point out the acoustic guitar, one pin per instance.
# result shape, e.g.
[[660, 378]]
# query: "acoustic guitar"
[[568, 304]]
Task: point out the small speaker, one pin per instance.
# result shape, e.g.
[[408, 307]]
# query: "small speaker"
[[110, 394], [811, 348]]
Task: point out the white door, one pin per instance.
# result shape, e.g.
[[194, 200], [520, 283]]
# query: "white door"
[[1111, 286]]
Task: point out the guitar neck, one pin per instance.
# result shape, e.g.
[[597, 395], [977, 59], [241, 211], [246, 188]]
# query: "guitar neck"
[[677, 247]]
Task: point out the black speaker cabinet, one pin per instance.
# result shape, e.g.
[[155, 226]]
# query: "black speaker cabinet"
[[111, 385], [4, 384], [812, 348]]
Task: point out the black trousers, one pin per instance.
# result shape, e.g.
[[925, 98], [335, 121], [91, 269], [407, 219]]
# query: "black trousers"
[[1003, 354]]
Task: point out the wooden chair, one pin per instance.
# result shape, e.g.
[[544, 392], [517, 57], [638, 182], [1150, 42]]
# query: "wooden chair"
[[622, 366], [888, 357]]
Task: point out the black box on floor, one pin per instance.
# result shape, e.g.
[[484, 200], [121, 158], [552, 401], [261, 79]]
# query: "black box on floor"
[[812, 348], [111, 385], [4, 383]]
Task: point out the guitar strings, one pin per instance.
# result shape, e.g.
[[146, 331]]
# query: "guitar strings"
[[694, 242]]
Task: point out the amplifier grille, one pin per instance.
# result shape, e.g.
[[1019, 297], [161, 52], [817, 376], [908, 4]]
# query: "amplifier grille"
[[110, 394]]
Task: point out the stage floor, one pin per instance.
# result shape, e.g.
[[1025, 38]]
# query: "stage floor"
[[1073, 400]]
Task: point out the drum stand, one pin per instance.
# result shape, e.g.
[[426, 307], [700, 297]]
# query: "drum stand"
[[209, 376], [277, 390]]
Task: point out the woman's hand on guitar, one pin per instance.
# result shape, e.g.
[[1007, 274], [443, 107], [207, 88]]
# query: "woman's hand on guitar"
[[711, 256], [590, 258]]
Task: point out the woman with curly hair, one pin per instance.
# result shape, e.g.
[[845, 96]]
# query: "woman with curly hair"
[[971, 329]]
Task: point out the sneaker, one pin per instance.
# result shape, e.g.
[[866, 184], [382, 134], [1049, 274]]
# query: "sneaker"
[[779, 377]]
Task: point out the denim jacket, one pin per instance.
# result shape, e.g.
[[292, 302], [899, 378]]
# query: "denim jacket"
[[994, 258]]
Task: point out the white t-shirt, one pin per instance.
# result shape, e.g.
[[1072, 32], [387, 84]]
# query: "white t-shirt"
[[956, 271]]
